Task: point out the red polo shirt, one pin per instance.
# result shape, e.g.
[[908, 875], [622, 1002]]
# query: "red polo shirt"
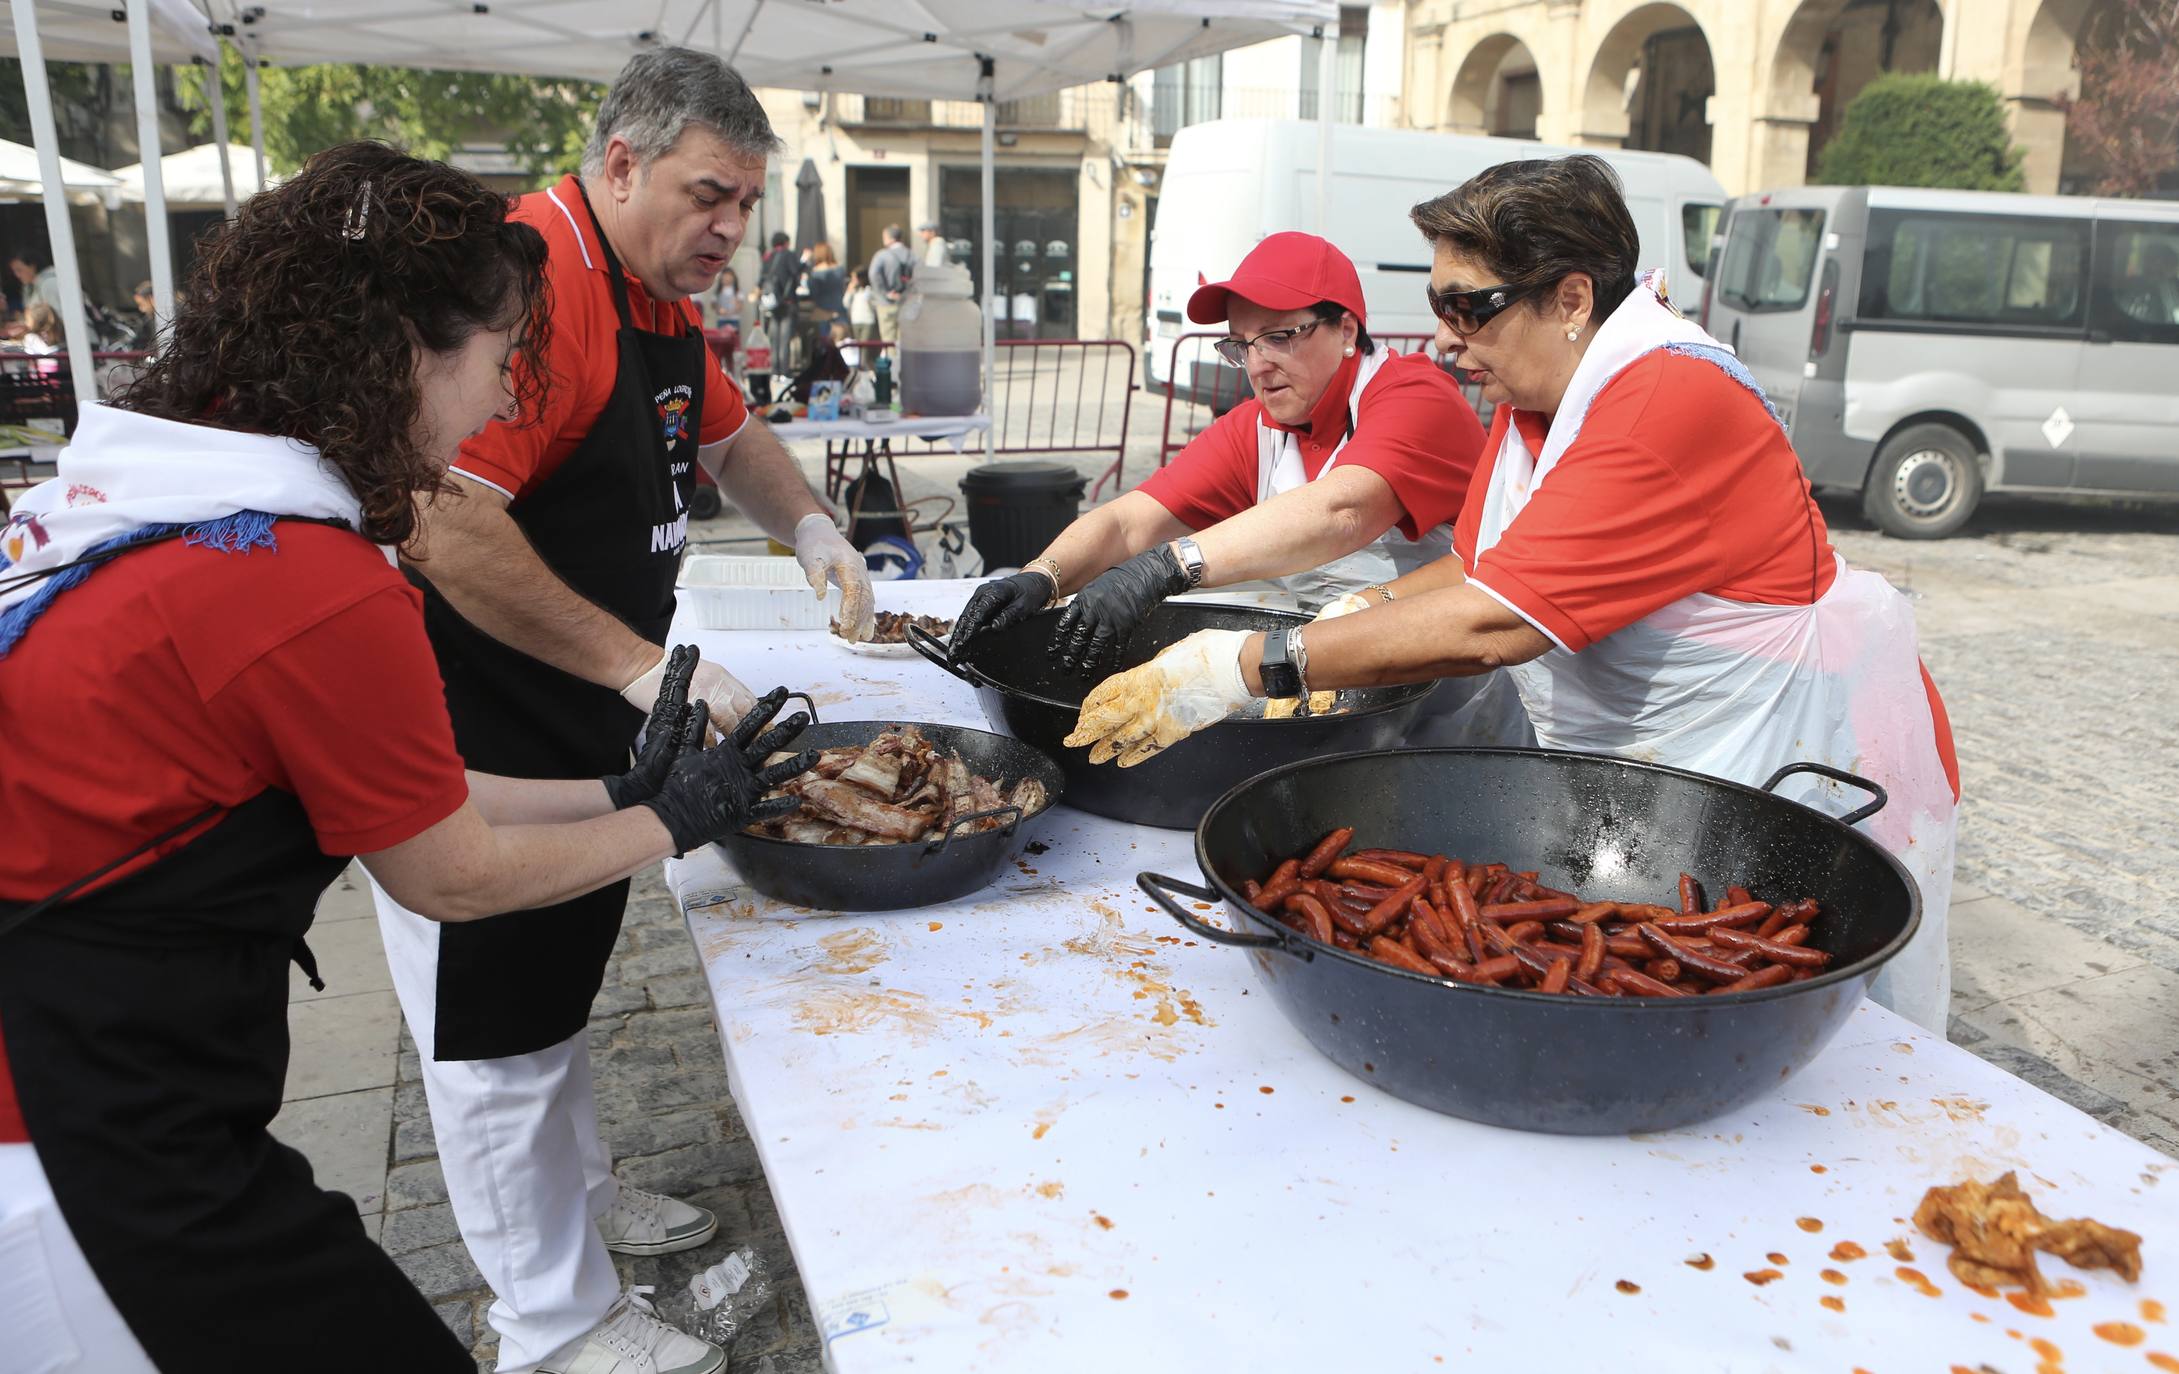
[[1412, 427], [1679, 483], [179, 678], [583, 353]]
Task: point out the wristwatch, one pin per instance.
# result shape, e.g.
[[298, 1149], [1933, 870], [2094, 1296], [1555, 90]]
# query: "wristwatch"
[[1281, 676], [1190, 555]]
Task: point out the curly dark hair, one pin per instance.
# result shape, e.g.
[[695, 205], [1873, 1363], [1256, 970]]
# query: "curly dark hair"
[[303, 317]]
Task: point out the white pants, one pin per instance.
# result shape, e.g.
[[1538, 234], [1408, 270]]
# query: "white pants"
[[54, 1313], [526, 1173]]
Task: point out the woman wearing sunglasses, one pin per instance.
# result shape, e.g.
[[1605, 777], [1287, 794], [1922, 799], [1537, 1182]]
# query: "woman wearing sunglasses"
[[1639, 554], [1341, 472]]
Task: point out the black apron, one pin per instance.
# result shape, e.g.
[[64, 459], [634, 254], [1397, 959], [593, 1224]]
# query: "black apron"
[[610, 522], [146, 1028]]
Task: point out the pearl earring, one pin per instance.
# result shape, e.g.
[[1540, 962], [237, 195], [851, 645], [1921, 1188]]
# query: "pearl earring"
[[1350, 350], [1572, 334]]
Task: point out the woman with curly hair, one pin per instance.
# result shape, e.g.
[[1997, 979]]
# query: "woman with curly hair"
[[215, 687]]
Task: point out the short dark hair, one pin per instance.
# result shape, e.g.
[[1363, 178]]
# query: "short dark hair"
[[1536, 222], [661, 92], [303, 317], [1330, 311], [30, 258], [779, 238]]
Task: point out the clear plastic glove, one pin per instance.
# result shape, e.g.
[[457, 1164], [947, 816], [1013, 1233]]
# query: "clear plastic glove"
[[1347, 605], [1131, 716], [826, 556], [708, 682]]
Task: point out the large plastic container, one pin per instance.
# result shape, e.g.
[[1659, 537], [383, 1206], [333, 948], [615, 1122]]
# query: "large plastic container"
[[941, 343], [749, 592], [1015, 510]]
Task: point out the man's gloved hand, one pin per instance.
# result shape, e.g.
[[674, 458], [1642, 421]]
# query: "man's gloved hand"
[[1102, 615], [715, 792], [708, 682], [999, 603], [826, 556], [1347, 605], [1133, 715], [667, 735]]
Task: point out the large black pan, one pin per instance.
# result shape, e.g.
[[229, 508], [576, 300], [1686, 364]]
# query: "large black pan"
[[894, 877], [1026, 694], [1606, 828]]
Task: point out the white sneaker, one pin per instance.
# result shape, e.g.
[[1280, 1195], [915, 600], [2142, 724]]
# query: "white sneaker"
[[643, 1223], [632, 1340]]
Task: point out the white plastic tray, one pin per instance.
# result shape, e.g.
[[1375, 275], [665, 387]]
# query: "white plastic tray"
[[752, 592]]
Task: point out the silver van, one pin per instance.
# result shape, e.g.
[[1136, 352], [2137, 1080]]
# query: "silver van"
[[1924, 346]]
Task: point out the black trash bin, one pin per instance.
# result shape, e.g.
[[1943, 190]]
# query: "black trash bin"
[[1015, 510]]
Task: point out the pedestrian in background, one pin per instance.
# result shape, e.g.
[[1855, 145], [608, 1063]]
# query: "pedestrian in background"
[[936, 251], [890, 272], [828, 291], [780, 275]]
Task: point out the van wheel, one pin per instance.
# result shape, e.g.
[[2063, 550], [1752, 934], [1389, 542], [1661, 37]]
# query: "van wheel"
[[704, 502], [1924, 484]]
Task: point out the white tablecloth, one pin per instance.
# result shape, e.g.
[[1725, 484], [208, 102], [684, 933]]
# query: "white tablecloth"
[[954, 428], [1043, 1129]]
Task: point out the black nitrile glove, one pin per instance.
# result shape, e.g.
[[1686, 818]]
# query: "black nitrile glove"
[[1102, 615], [998, 604], [715, 792], [666, 735]]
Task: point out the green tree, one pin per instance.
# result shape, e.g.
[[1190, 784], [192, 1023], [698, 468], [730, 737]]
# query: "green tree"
[[542, 121], [1913, 129]]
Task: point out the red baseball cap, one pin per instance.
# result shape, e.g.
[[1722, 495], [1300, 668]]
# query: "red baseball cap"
[[1284, 272]]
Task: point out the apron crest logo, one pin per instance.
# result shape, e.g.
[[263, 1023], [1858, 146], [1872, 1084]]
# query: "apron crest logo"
[[673, 415], [22, 535]]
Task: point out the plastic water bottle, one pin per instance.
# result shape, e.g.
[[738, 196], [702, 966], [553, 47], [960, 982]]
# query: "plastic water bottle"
[[882, 381]]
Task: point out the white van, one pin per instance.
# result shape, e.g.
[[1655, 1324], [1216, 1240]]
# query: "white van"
[[1924, 346], [1229, 183]]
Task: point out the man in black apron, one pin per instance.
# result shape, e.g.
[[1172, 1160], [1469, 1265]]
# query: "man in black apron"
[[549, 586]]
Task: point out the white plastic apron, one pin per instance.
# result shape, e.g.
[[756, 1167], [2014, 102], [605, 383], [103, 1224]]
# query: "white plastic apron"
[[1279, 469], [1737, 690]]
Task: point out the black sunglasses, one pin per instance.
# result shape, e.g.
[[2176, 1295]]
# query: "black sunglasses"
[[1468, 311]]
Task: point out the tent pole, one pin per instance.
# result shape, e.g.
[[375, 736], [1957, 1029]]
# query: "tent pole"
[[1327, 77], [991, 287], [38, 95], [147, 140], [257, 113], [219, 134]]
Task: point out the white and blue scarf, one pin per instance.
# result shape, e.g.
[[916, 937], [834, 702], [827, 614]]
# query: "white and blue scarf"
[[128, 479]]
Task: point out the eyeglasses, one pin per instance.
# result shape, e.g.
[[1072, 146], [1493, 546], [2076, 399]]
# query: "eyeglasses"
[[1274, 343], [1466, 312]]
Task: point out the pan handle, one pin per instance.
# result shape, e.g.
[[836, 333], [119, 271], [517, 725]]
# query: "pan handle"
[[943, 840], [927, 644], [1161, 889], [1854, 817], [804, 698]]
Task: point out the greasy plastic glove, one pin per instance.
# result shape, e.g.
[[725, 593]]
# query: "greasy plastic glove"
[[708, 682], [1133, 715], [715, 792], [999, 603], [1102, 615], [667, 735], [826, 556], [1347, 605]]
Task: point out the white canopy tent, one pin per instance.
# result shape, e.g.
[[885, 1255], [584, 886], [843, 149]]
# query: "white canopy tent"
[[984, 50], [196, 179], [139, 32], [22, 179]]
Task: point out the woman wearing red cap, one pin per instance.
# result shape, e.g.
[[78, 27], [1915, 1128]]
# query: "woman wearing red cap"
[[1339, 474], [1640, 558]]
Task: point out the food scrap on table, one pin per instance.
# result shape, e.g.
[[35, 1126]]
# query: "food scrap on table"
[[1995, 1230], [897, 788]]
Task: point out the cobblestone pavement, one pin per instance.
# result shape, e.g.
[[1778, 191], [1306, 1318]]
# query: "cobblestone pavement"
[[2053, 632]]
